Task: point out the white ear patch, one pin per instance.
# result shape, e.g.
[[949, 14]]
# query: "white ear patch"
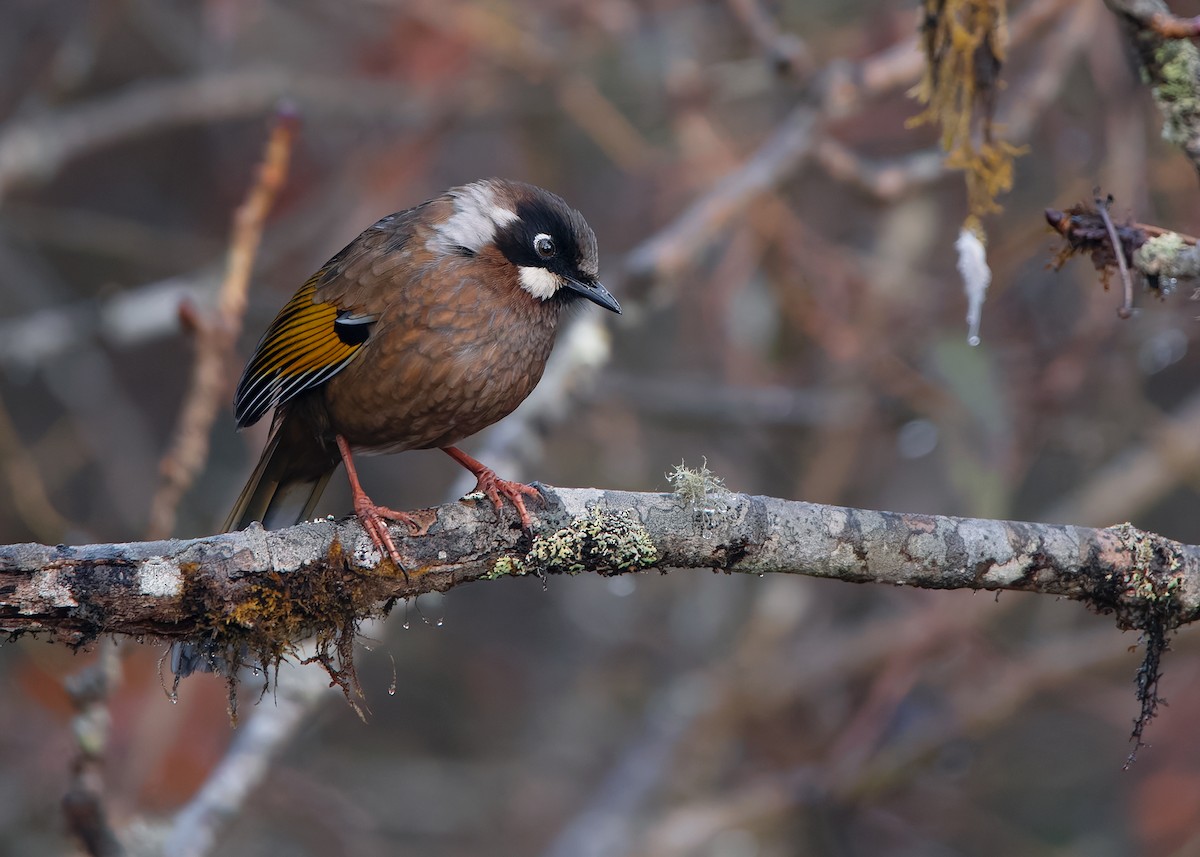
[[539, 282], [474, 222]]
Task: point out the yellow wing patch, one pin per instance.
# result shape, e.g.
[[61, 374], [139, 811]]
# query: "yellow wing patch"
[[301, 349]]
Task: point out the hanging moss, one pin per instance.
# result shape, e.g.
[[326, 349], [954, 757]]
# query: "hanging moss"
[[965, 43], [269, 614]]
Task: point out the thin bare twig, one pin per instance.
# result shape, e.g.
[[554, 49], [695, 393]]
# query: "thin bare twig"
[[84, 804], [604, 827], [1168, 454], [1029, 97], [217, 337], [684, 829], [884, 180], [842, 89], [781, 155], [1173, 27], [786, 51], [1126, 309], [30, 498], [198, 826], [602, 120], [36, 148]]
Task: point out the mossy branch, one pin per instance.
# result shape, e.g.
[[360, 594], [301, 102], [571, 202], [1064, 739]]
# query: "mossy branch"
[[1170, 65], [256, 594], [319, 575]]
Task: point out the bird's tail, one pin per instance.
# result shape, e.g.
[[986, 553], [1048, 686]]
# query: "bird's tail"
[[280, 492], [275, 494]]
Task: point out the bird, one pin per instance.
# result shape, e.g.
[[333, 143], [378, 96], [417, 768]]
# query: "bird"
[[432, 324]]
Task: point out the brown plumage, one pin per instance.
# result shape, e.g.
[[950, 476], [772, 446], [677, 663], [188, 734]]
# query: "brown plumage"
[[432, 324]]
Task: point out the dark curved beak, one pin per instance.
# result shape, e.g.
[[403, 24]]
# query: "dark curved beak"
[[594, 292]]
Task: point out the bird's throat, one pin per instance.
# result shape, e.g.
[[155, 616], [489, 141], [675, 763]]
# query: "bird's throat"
[[539, 282]]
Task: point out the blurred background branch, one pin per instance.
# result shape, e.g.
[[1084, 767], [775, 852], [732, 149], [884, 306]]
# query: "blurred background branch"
[[216, 335]]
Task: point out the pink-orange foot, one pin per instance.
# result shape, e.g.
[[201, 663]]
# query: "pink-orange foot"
[[373, 517], [495, 488]]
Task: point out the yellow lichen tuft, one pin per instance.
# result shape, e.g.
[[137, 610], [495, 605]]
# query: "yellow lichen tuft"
[[262, 620], [965, 43]]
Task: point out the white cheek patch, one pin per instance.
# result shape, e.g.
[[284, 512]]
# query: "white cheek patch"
[[539, 282]]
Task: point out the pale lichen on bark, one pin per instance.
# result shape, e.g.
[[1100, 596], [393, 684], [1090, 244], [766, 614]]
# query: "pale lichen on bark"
[[159, 587]]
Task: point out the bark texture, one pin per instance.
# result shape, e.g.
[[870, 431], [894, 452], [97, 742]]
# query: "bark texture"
[[324, 575]]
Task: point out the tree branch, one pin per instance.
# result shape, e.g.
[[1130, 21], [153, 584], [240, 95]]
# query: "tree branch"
[[1170, 65], [36, 148], [216, 336], [265, 589]]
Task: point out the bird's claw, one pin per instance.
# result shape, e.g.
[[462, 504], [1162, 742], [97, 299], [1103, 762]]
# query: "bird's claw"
[[374, 520], [496, 489]]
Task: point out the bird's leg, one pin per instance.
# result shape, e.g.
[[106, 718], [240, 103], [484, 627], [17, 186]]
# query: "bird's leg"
[[371, 515], [493, 487]]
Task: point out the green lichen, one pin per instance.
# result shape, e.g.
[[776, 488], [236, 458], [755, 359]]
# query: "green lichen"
[[603, 541], [1155, 578], [1177, 71], [700, 489], [506, 566], [1162, 256]]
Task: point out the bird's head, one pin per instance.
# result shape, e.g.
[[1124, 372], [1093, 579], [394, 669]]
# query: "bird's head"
[[549, 243]]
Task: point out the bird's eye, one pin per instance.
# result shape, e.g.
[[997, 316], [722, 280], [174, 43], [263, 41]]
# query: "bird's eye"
[[544, 245]]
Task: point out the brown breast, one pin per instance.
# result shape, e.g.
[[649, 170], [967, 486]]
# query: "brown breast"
[[458, 346]]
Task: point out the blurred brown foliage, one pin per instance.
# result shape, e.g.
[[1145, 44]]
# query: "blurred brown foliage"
[[813, 347]]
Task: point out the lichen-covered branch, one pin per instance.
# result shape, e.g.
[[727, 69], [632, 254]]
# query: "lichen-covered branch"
[[1159, 256], [266, 588], [1170, 65]]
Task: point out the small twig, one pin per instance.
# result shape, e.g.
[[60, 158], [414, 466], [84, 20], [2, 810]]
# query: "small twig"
[[788, 147], [603, 121], [197, 828], [29, 495], [843, 89], [1155, 17], [36, 148], [1078, 225], [1173, 27], [1029, 98], [884, 180], [83, 804], [786, 51], [604, 826], [217, 337], [1126, 310], [1166, 455]]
